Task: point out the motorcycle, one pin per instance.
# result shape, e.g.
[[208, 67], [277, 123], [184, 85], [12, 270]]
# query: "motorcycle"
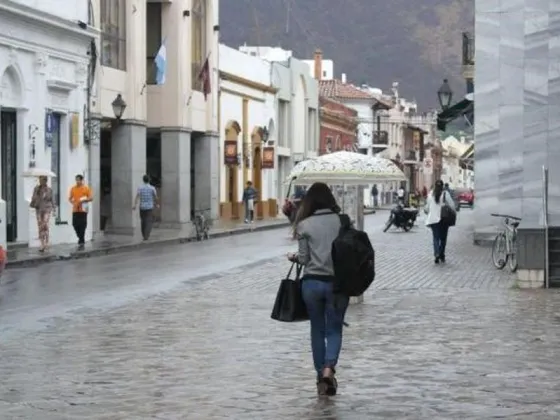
[[401, 217]]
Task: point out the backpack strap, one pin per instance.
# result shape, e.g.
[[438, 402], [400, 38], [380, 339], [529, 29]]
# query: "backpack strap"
[[345, 221]]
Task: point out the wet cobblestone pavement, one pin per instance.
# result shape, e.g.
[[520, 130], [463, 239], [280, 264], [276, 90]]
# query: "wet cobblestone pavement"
[[430, 342]]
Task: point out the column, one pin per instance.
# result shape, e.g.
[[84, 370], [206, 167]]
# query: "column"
[[175, 177], [206, 173], [128, 166], [94, 175]]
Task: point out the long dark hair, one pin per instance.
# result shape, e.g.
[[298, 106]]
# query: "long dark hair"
[[318, 197], [438, 190]]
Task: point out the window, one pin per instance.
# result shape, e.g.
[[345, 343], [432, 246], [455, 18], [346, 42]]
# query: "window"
[[324, 73], [56, 120], [153, 39], [198, 38], [113, 33]]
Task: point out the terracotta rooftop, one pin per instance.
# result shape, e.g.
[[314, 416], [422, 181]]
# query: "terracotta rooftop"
[[335, 89]]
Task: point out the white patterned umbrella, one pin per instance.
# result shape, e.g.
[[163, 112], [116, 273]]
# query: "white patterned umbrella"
[[345, 168]]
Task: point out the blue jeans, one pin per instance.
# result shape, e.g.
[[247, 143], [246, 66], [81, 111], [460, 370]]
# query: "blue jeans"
[[439, 233], [326, 314]]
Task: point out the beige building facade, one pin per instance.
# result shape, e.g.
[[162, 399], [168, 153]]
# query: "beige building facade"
[[167, 130]]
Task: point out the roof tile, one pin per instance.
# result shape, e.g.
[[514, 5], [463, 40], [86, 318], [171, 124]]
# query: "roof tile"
[[337, 90]]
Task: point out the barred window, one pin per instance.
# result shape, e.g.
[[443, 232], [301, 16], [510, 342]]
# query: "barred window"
[[113, 33]]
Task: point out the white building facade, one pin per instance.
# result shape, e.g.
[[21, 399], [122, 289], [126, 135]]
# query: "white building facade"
[[297, 110], [169, 128], [43, 84], [247, 115], [452, 171]]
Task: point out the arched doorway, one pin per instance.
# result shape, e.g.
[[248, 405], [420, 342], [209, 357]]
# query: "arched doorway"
[[11, 93], [230, 209], [256, 139]]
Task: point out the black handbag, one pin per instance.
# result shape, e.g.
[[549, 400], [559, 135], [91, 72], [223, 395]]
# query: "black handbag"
[[289, 305], [448, 215]]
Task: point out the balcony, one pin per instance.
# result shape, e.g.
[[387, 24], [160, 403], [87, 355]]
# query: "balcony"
[[412, 157], [380, 141]]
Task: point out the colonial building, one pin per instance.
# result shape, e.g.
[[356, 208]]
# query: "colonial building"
[[411, 138], [365, 102], [297, 110], [247, 115], [43, 82], [338, 125], [155, 102]]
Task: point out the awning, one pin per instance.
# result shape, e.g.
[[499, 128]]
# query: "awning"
[[462, 108], [467, 159]]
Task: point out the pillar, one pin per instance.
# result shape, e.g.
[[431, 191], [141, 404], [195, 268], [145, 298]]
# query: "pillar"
[[128, 166], [175, 177], [206, 173], [94, 174]]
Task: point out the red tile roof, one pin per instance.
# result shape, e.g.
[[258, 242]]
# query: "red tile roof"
[[337, 90]]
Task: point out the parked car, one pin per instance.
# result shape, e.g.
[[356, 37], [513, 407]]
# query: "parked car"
[[465, 197]]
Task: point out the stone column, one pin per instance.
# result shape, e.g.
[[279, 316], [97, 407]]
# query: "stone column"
[[206, 172], [93, 136], [128, 165], [176, 177]]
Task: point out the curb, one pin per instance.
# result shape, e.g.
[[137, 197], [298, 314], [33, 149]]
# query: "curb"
[[120, 249]]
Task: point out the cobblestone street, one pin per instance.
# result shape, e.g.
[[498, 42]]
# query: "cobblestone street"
[[195, 340]]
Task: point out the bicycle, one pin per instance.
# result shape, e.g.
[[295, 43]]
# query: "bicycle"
[[201, 224], [504, 249]]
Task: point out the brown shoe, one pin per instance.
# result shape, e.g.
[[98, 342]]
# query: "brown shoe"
[[328, 384]]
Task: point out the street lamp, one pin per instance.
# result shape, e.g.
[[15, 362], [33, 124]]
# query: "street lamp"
[[119, 105], [264, 134], [445, 94]]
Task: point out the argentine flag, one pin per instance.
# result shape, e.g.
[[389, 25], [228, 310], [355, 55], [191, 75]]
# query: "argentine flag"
[[161, 64]]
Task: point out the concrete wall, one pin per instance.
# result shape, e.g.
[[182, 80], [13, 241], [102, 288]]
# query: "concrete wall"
[[517, 102], [56, 10], [43, 66], [366, 124]]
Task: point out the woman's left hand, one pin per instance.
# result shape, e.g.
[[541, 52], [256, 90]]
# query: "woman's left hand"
[[292, 257]]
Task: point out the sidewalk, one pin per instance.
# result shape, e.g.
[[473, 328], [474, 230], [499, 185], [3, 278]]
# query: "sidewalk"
[[111, 244]]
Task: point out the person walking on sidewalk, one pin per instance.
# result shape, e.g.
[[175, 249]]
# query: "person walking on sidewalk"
[[80, 196], [435, 201], [146, 197], [43, 203], [249, 197], [316, 226], [374, 196]]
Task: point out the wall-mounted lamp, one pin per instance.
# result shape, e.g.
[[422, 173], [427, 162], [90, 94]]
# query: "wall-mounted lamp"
[[32, 130], [264, 134], [119, 105]]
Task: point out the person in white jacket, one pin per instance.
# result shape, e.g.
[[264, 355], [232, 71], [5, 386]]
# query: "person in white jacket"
[[437, 198]]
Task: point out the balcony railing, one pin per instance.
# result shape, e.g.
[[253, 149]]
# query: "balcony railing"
[[381, 137], [468, 49]]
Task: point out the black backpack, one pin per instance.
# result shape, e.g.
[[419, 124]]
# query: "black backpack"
[[353, 260]]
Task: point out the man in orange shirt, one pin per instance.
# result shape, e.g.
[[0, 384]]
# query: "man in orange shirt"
[[80, 196]]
